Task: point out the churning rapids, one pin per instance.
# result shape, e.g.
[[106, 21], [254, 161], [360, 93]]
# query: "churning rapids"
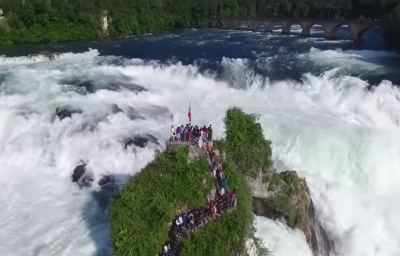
[[311, 95]]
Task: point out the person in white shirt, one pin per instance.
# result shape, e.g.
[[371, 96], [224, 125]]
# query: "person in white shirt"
[[172, 138], [200, 142], [222, 191]]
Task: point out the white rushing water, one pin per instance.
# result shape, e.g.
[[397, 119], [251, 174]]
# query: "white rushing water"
[[344, 140]]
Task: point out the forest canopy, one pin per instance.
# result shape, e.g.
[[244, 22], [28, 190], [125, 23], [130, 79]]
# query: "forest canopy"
[[34, 21]]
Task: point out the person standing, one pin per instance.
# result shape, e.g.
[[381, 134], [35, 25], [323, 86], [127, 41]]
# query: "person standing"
[[172, 138], [209, 133]]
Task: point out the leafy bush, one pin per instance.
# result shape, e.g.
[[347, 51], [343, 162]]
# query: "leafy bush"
[[286, 200], [141, 213], [245, 144]]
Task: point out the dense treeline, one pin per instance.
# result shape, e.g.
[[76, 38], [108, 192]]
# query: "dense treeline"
[[391, 27], [31, 21]]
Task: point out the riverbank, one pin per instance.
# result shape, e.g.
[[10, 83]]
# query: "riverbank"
[[56, 21]]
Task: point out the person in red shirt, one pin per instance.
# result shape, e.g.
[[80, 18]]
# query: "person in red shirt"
[[209, 150], [189, 134]]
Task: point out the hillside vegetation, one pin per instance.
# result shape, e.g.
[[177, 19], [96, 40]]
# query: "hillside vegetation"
[[141, 213], [246, 149], [34, 21]]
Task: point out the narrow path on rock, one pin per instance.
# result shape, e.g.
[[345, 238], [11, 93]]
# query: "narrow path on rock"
[[219, 204]]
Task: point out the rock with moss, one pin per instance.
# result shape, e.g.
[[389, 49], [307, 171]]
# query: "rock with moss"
[[50, 55], [280, 196], [286, 196]]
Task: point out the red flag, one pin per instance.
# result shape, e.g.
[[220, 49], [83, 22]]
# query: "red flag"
[[190, 115]]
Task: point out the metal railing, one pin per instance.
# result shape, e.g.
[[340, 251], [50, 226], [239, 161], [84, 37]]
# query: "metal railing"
[[196, 141], [223, 205]]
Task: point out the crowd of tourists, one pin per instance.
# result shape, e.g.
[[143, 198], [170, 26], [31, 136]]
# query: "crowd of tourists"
[[184, 133], [189, 222]]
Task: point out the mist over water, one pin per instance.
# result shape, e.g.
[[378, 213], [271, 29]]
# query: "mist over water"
[[310, 95]]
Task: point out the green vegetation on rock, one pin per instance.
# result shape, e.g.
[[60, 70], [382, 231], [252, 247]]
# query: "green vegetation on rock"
[[245, 144], [246, 147], [141, 213], [289, 198]]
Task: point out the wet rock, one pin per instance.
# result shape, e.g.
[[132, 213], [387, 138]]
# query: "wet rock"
[[105, 179], [50, 55], [285, 196], [79, 171], [115, 109], [140, 141], [113, 182], [66, 111], [81, 176]]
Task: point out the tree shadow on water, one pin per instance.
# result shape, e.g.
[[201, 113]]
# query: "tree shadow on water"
[[96, 212]]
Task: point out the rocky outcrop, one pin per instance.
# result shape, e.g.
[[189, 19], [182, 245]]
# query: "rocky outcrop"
[[81, 176], [67, 111], [116, 109], [50, 55], [285, 196], [113, 182], [140, 140]]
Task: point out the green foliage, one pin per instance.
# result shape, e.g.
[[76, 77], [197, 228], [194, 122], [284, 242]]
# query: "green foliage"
[[225, 236], [286, 198], [245, 144], [389, 28], [141, 213], [262, 249], [34, 21]]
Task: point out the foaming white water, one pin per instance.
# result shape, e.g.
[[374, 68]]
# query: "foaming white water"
[[329, 128], [40, 58], [280, 239], [42, 212], [350, 59], [344, 140]]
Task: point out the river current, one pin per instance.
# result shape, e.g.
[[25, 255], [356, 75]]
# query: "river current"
[[331, 109]]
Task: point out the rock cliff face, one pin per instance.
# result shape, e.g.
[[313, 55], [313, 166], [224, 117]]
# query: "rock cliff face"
[[286, 196]]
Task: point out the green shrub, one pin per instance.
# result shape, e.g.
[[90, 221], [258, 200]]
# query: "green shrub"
[[140, 215], [245, 144]]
